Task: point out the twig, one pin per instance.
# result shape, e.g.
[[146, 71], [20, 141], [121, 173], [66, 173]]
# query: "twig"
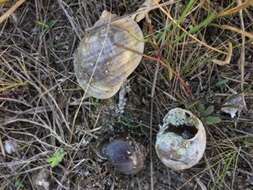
[[151, 124], [236, 164], [228, 57], [152, 108], [242, 58], [234, 29], [201, 184], [236, 9], [11, 10], [2, 147], [70, 19]]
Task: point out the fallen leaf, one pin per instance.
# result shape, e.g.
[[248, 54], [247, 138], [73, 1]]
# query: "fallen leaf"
[[211, 120], [234, 104], [56, 158]]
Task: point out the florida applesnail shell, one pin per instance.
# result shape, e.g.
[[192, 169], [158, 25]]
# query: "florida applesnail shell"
[[109, 52], [100, 64], [181, 140], [126, 155]]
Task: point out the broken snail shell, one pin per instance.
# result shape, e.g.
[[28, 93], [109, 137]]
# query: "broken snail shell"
[[126, 155], [181, 140], [109, 52]]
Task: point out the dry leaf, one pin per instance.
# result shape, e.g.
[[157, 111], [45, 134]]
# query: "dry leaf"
[[234, 104], [144, 9]]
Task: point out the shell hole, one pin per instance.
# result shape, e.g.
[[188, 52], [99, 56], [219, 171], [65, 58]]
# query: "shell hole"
[[187, 115], [185, 131]]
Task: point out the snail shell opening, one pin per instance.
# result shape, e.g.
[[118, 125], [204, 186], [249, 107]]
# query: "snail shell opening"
[[181, 140]]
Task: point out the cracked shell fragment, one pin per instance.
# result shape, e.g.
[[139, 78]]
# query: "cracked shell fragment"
[[181, 140]]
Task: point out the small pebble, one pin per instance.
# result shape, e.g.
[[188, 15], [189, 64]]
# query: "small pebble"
[[10, 146], [41, 180]]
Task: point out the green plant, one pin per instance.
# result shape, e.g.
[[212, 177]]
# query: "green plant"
[[56, 158], [18, 184], [225, 167], [207, 114], [46, 25]]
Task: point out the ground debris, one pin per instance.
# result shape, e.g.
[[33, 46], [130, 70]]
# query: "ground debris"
[[41, 180], [233, 105], [10, 146]]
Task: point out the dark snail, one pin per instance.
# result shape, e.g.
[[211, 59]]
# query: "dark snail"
[[127, 156]]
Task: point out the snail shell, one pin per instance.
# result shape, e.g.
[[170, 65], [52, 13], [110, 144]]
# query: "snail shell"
[[106, 56], [127, 156], [181, 141]]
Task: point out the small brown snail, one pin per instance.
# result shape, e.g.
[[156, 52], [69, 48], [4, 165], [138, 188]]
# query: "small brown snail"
[[126, 155], [181, 140], [107, 54]]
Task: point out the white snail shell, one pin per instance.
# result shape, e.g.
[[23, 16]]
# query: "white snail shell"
[[106, 55], [181, 141]]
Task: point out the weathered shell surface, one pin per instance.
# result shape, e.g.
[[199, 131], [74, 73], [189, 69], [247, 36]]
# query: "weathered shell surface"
[[181, 141], [127, 156], [101, 63]]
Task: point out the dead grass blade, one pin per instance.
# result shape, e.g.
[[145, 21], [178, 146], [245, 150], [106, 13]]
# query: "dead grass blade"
[[242, 58], [164, 64], [3, 2], [11, 10], [184, 30], [237, 30], [236, 9], [2, 147], [228, 58]]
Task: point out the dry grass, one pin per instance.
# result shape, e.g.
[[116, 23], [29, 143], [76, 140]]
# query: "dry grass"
[[41, 106]]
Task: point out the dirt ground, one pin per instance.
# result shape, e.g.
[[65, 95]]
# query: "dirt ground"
[[42, 111]]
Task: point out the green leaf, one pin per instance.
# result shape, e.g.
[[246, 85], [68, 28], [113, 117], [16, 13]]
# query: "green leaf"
[[188, 8], [56, 158], [221, 83], [209, 110], [211, 120], [19, 184], [201, 108]]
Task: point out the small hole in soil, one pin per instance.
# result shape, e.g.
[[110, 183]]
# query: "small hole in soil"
[[187, 132]]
